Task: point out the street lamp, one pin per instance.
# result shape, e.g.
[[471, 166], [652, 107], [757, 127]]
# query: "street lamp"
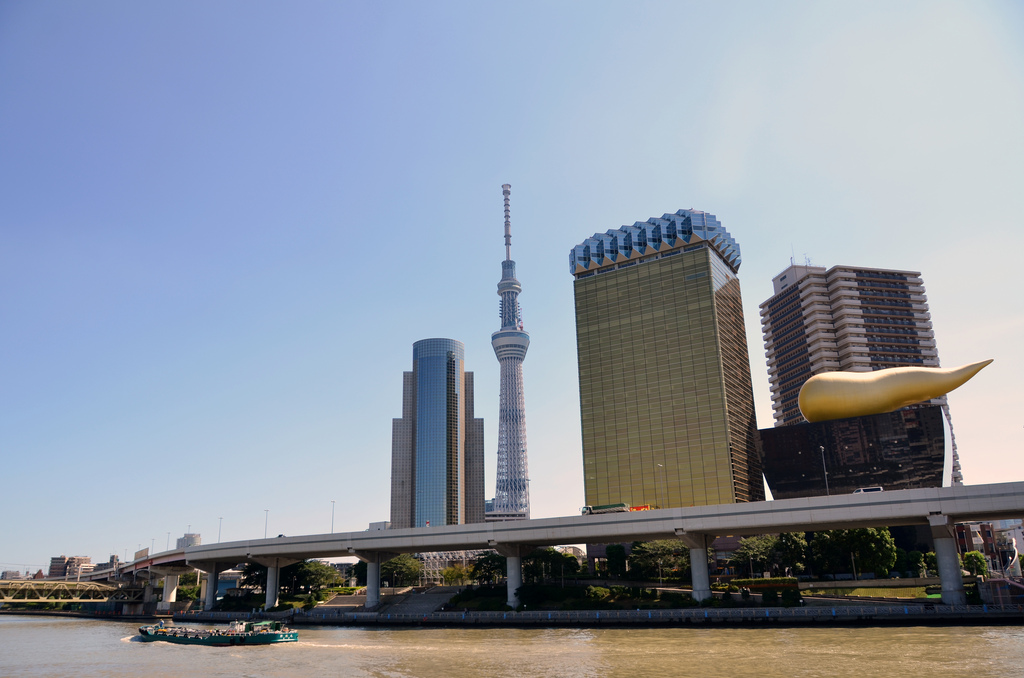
[[266, 520], [220, 521], [332, 516], [823, 469], [657, 490]]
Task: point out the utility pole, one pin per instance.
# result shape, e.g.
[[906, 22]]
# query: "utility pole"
[[823, 469]]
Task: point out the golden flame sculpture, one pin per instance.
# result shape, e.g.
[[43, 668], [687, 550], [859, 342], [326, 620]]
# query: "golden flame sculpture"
[[838, 395]]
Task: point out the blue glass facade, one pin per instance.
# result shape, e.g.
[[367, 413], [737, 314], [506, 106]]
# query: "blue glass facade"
[[646, 238], [437, 445], [439, 366]]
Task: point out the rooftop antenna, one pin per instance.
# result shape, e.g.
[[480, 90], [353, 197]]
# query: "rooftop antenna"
[[505, 190]]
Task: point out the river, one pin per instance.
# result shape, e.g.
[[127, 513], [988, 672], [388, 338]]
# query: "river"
[[55, 646]]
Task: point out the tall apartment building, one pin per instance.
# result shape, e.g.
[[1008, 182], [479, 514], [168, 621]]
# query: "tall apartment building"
[[437, 447], [69, 566], [665, 395], [189, 539], [845, 318]]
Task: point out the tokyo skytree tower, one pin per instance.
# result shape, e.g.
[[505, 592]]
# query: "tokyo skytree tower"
[[512, 494]]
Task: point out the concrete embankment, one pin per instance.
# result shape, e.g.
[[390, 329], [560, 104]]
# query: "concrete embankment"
[[849, 615]]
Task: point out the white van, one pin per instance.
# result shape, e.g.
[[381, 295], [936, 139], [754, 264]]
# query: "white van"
[[865, 490]]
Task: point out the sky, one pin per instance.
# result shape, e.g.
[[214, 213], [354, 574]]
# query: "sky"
[[223, 226]]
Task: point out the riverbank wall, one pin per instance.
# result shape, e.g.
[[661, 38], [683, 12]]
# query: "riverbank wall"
[[839, 615]]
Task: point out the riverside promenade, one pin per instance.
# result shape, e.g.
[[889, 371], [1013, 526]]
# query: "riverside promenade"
[[811, 615]]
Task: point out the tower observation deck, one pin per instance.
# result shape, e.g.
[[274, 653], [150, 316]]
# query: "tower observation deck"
[[510, 343]]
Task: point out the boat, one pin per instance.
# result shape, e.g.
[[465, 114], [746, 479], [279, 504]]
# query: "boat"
[[237, 633]]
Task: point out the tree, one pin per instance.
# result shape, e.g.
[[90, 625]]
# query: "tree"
[[873, 548], [545, 563], [489, 568], [791, 551], [314, 575], [931, 563], [655, 559], [616, 556], [758, 549], [359, 572], [868, 549], [975, 563], [915, 562], [403, 570], [254, 576], [455, 575], [827, 549]]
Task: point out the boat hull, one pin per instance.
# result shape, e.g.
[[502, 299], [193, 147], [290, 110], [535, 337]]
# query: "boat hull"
[[179, 636]]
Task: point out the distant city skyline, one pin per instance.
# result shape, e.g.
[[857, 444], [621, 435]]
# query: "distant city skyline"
[[224, 226]]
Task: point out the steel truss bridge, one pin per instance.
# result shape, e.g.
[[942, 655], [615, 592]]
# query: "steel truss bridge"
[[43, 591]]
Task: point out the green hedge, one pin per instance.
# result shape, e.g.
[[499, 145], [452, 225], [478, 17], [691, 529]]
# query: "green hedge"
[[773, 583]]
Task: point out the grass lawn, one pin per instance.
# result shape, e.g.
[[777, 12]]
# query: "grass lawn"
[[881, 592]]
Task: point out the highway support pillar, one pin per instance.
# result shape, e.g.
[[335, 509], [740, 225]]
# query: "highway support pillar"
[[273, 565], [372, 583], [170, 591], [273, 586], [513, 568], [212, 569], [698, 544], [514, 573], [373, 560], [948, 560], [212, 580]]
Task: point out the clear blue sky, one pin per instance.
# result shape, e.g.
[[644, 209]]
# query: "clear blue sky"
[[223, 225]]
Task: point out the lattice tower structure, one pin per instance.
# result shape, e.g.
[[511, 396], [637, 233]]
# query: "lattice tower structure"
[[510, 343]]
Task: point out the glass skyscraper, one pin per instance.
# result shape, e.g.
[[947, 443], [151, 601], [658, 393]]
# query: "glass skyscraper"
[[437, 454], [665, 394]]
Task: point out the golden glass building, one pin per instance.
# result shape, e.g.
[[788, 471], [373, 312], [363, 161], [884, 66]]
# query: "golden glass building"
[[666, 402]]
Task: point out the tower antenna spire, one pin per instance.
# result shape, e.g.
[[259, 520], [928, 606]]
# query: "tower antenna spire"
[[510, 343], [505, 190]]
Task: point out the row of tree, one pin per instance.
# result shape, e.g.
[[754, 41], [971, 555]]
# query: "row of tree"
[[827, 552], [834, 551]]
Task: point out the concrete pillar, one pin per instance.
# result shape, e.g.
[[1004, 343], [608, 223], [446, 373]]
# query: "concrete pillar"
[[170, 588], [211, 588], [273, 587], [699, 574], [514, 575], [170, 594], [948, 560], [698, 544], [373, 582]]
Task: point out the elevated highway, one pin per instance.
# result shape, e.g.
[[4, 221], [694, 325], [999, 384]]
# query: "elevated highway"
[[939, 508]]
